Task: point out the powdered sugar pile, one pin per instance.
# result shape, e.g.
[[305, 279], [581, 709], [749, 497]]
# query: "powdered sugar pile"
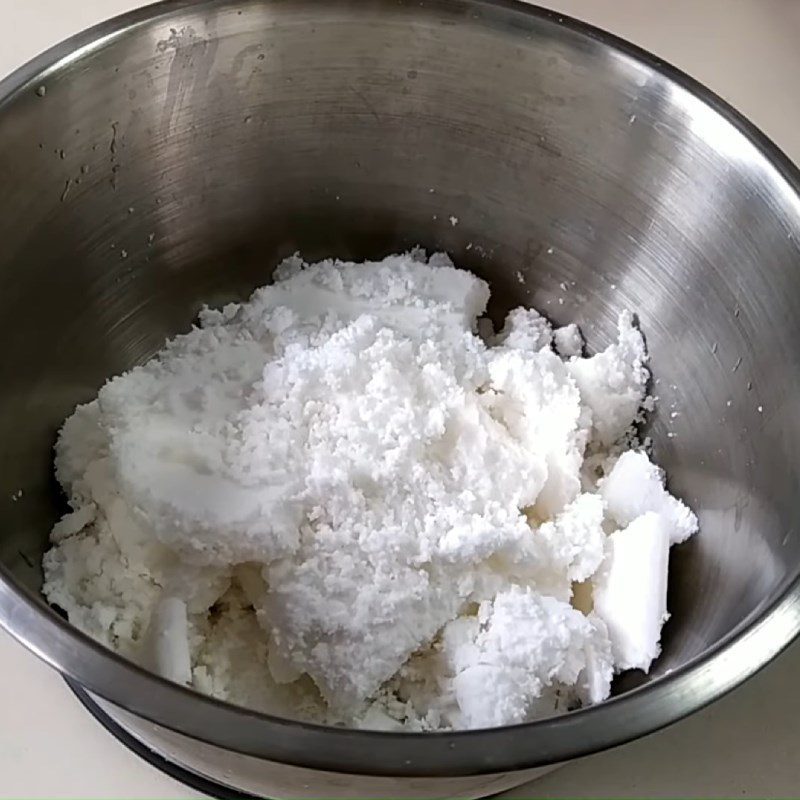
[[336, 502]]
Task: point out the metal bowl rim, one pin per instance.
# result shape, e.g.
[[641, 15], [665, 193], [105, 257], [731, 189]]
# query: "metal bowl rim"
[[749, 647]]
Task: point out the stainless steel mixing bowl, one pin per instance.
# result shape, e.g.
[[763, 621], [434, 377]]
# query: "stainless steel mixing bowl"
[[170, 157]]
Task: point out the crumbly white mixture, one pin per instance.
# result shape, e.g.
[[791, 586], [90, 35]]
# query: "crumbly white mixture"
[[338, 502]]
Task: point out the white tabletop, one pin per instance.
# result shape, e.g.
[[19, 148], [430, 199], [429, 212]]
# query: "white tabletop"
[[743, 746]]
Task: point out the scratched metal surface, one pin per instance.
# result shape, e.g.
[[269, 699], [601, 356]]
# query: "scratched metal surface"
[[173, 163]]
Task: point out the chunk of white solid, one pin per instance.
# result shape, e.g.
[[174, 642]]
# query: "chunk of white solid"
[[612, 383], [568, 341], [573, 542], [635, 486], [488, 696], [525, 329], [350, 290], [73, 523], [630, 591], [520, 644], [376, 719], [280, 667], [594, 682], [165, 648]]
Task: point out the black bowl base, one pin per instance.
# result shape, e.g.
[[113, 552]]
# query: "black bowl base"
[[184, 776]]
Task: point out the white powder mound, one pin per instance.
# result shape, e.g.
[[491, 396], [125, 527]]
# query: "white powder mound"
[[336, 502]]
